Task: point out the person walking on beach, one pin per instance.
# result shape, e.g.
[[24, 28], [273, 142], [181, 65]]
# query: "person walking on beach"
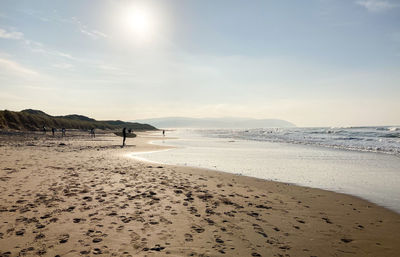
[[163, 133], [44, 129], [53, 130], [93, 133], [63, 132], [124, 136]]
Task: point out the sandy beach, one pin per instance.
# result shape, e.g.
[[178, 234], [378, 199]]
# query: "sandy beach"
[[80, 196]]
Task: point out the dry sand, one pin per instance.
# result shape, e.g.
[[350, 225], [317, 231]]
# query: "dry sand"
[[87, 198]]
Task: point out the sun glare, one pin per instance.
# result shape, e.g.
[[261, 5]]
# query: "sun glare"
[[139, 22]]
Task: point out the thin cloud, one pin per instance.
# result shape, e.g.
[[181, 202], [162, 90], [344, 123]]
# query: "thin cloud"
[[101, 34], [11, 34], [108, 67], [7, 97], [65, 55], [84, 29], [377, 5], [35, 14], [40, 48], [94, 34], [64, 66], [16, 68], [33, 45]]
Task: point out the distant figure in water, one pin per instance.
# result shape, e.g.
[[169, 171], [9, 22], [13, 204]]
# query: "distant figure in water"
[[130, 131], [124, 136], [93, 133], [44, 129], [63, 132], [53, 130], [163, 133]]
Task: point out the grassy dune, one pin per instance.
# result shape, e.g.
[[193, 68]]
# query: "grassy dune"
[[34, 120]]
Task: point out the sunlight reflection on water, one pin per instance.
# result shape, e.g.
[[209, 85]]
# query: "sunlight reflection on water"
[[371, 176]]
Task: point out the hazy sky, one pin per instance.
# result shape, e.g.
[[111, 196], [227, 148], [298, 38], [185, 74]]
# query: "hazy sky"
[[311, 62]]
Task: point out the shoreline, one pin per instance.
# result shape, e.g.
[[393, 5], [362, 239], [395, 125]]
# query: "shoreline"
[[168, 147], [92, 199]]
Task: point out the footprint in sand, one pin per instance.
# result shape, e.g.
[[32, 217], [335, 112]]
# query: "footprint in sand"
[[97, 240], [63, 238], [346, 240], [40, 236], [78, 220], [20, 232], [97, 251], [188, 237], [327, 220], [198, 229]]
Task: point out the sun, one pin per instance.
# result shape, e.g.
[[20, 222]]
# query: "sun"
[[139, 22]]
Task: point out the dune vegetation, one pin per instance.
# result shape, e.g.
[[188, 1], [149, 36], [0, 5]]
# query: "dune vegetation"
[[34, 120]]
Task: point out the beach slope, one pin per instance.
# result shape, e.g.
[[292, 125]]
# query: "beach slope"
[[81, 197]]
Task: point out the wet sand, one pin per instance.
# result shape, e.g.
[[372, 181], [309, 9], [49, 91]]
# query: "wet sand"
[[80, 196]]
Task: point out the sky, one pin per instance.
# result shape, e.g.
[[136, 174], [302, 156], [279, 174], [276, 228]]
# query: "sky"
[[310, 62]]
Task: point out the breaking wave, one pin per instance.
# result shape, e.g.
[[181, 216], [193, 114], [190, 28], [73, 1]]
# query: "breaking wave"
[[370, 139]]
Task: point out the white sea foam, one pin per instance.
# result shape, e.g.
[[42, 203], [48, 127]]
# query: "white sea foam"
[[371, 139]]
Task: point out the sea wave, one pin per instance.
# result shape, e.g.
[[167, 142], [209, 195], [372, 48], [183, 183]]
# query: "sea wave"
[[371, 139]]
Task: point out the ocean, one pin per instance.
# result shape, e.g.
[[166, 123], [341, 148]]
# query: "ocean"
[[361, 161], [369, 139]]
